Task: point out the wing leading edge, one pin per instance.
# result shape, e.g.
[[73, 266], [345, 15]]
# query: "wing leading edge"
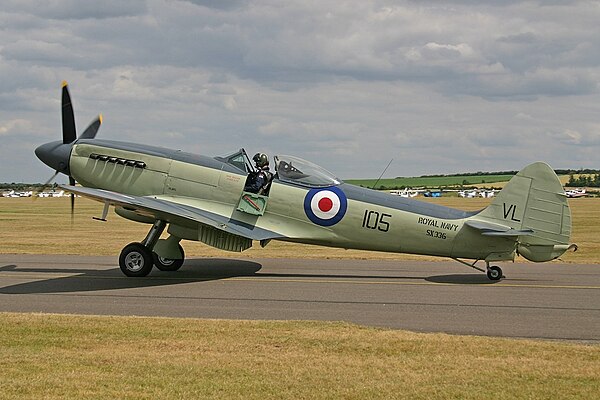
[[170, 211]]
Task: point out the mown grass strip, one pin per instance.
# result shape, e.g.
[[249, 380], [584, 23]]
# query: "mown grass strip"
[[59, 356]]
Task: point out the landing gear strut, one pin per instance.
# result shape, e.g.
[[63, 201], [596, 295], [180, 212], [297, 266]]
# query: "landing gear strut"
[[494, 272], [136, 258]]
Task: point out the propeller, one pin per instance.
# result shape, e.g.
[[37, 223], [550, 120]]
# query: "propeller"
[[45, 186], [69, 136], [92, 129], [68, 120], [68, 117]]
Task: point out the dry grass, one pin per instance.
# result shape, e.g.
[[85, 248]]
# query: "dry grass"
[[586, 230], [44, 227], [52, 356]]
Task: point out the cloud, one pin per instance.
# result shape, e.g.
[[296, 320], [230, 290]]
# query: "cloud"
[[305, 43], [220, 4], [75, 9], [440, 86], [36, 51], [14, 127]]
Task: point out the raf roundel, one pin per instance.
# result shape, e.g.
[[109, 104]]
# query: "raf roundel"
[[325, 207]]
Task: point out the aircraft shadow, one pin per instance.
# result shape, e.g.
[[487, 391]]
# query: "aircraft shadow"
[[194, 270], [462, 279], [86, 280]]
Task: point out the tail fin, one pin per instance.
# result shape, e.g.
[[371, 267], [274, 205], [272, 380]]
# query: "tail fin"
[[535, 200]]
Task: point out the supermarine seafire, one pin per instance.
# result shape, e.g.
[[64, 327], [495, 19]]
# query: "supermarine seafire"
[[202, 198]]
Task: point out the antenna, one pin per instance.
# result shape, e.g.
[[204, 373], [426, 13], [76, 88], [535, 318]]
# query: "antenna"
[[385, 169]]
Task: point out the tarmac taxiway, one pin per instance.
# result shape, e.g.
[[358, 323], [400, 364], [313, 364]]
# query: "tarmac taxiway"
[[549, 301]]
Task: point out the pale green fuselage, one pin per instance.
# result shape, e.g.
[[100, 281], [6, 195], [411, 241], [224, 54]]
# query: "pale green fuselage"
[[367, 223]]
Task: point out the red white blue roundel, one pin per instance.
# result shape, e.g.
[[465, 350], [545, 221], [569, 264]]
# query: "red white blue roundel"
[[325, 207]]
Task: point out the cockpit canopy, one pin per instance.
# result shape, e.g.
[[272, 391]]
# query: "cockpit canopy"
[[288, 169], [295, 170]]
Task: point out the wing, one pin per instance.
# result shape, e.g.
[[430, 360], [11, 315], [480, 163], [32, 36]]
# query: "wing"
[[172, 211]]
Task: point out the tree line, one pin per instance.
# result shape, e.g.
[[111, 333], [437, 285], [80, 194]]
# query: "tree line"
[[584, 181], [483, 173]]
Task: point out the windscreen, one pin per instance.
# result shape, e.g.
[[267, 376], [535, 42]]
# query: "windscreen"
[[301, 172]]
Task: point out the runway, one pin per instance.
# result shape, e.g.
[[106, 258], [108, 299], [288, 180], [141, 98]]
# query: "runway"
[[550, 301]]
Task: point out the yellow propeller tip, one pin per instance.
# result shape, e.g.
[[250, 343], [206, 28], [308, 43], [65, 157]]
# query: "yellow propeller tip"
[[100, 118], [63, 84]]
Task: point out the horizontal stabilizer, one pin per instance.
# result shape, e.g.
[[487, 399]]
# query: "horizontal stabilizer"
[[490, 229]]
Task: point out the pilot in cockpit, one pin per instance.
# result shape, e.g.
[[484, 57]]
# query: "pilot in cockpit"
[[259, 181]]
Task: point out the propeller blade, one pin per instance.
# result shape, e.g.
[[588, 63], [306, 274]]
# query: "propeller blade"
[[91, 131], [72, 183], [45, 186], [68, 118]]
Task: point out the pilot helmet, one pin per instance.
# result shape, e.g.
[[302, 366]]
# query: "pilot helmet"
[[261, 159]]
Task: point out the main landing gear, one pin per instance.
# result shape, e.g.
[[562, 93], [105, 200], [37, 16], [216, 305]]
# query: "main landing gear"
[[494, 272], [168, 264], [137, 259]]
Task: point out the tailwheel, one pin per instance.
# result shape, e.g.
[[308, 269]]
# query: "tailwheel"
[[136, 260], [167, 264], [494, 273]]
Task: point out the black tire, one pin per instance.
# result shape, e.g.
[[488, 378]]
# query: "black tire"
[[136, 260], [166, 264], [494, 273]]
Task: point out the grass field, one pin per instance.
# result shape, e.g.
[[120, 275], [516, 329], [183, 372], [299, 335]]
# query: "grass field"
[[53, 356], [44, 227]]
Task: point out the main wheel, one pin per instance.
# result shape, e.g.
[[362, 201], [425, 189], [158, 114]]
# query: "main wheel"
[[494, 273], [167, 264], [135, 260]]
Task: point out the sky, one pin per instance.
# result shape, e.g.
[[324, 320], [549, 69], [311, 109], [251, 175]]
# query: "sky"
[[437, 86]]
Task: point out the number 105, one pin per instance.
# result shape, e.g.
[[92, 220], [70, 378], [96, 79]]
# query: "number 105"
[[376, 220]]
